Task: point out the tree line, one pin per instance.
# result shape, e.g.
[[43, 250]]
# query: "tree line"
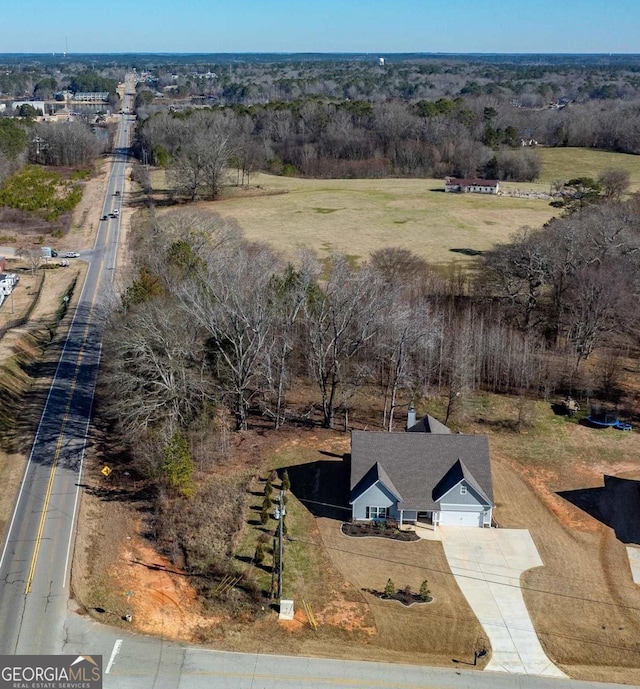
[[327, 140]]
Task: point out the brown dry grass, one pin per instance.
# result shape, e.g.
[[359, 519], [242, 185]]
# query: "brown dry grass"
[[435, 633], [19, 348], [358, 216], [29, 342], [583, 602]]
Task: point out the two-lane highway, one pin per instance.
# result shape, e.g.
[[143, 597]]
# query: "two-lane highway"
[[36, 555]]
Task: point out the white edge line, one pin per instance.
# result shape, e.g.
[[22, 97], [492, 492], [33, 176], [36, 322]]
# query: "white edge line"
[[84, 442], [116, 649], [42, 417], [82, 456]]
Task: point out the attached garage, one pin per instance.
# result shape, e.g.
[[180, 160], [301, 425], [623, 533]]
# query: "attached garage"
[[458, 518]]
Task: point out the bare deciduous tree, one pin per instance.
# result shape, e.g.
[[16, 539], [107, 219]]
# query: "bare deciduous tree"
[[340, 318], [155, 370], [228, 296]]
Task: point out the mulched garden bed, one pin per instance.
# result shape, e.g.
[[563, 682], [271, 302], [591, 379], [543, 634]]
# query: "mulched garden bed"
[[378, 530], [405, 597]]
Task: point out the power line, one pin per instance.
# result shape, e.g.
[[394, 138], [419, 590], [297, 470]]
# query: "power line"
[[595, 642], [468, 576]]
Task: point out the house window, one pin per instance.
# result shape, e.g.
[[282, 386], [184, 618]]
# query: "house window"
[[377, 512], [463, 489]]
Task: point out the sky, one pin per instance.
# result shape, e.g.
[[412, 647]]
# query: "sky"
[[371, 26]]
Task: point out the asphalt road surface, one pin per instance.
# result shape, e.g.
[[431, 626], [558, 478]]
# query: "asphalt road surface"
[[36, 615], [36, 555]]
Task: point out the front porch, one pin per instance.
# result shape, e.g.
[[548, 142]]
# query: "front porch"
[[424, 524]]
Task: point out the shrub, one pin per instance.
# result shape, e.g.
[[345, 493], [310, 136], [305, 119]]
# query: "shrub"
[[390, 589], [425, 594], [266, 503], [259, 554], [268, 487], [178, 464], [286, 484], [264, 516]]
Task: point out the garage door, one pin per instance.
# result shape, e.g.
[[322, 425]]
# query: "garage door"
[[453, 518]]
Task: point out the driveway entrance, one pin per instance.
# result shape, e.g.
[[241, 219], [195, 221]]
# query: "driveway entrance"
[[487, 564]]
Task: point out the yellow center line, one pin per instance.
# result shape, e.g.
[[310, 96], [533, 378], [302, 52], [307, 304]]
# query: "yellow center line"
[[56, 456]]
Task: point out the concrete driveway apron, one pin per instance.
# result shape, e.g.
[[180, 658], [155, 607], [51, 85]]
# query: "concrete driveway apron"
[[487, 564]]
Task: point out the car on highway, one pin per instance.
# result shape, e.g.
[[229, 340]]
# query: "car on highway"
[[72, 254], [116, 212]]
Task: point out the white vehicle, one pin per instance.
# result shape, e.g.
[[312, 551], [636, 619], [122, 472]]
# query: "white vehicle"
[[116, 212], [72, 254]]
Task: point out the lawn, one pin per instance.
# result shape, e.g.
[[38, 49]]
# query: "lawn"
[[583, 602], [565, 163], [359, 216], [330, 571]]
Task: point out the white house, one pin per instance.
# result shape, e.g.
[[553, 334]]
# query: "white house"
[[473, 186]]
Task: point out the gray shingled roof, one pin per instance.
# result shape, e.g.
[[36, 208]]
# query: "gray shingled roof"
[[453, 477], [420, 463], [427, 424], [377, 473]]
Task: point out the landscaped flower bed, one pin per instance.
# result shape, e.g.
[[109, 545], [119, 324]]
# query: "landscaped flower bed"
[[405, 596], [379, 530]]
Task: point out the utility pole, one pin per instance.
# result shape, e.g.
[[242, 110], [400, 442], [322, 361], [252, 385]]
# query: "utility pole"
[[280, 534]]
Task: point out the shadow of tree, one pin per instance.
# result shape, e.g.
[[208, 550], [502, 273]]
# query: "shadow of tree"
[[616, 504], [323, 486]]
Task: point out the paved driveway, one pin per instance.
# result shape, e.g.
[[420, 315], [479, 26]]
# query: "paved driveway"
[[487, 564]]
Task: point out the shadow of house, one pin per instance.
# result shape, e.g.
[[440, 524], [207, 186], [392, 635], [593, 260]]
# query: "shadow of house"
[[323, 487], [616, 504]]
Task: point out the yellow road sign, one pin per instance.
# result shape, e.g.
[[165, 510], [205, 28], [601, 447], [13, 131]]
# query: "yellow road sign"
[[106, 470]]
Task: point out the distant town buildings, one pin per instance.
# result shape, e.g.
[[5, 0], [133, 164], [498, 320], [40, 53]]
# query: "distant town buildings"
[[37, 104], [91, 97]]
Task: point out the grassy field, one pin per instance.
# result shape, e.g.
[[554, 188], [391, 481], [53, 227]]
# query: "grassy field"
[[565, 163], [358, 216]]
